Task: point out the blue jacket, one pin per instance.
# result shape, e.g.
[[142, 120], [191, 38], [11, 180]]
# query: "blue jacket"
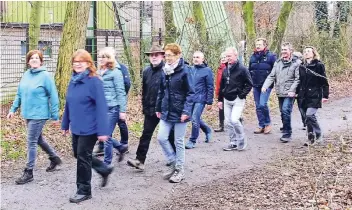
[[37, 96], [260, 66], [126, 76], [114, 89], [203, 84], [86, 109], [175, 96]]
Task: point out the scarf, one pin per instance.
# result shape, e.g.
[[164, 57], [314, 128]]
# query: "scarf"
[[170, 68], [76, 77]]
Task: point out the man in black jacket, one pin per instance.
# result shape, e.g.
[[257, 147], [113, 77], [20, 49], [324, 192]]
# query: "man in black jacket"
[[150, 88], [236, 83]]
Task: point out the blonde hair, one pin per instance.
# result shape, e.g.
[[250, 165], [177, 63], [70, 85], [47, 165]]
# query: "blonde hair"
[[109, 53], [315, 53]]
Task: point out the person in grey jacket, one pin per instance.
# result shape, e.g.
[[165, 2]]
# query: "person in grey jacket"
[[114, 91], [285, 74]]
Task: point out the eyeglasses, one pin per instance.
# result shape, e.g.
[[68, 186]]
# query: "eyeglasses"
[[77, 63], [169, 55], [102, 56]]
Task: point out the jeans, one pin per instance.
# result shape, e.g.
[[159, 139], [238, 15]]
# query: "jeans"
[[286, 105], [311, 120], [163, 135], [34, 138], [150, 123], [233, 112], [123, 131], [82, 151], [113, 117], [197, 122], [261, 103]]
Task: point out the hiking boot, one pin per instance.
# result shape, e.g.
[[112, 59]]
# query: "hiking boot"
[[26, 177], [267, 129], [122, 151], [242, 144], [230, 147], [285, 138], [190, 145], [98, 151], [259, 130], [178, 176], [77, 198], [54, 161], [105, 176], [221, 129], [170, 171], [208, 137], [136, 164]]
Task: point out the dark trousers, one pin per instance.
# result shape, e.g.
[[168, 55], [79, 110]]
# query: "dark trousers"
[[221, 118], [82, 150], [302, 112], [123, 131], [150, 123]]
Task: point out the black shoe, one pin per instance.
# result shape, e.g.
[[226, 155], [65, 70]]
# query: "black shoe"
[[54, 161], [221, 129], [286, 138], [26, 177], [76, 198], [106, 176], [122, 151]]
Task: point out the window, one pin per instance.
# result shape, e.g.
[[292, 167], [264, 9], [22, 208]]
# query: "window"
[[44, 46]]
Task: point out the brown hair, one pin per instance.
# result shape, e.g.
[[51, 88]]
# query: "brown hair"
[[109, 53], [315, 53], [33, 52], [265, 42], [174, 48], [83, 55]]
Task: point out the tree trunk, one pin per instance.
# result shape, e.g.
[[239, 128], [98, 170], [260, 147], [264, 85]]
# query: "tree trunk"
[[34, 24], [73, 38], [281, 26], [170, 28], [248, 18], [201, 27]]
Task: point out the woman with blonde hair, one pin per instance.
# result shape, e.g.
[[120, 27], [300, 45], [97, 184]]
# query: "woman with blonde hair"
[[115, 96], [313, 90], [86, 117], [38, 99]]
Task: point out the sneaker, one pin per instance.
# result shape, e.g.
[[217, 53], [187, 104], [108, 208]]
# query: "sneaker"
[[285, 138], [98, 151], [105, 177], [242, 145], [170, 171], [259, 130], [230, 147], [177, 176], [122, 151], [190, 145], [221, 129], [311, 139], [26, 177], [77, 198], [267, 129], [208, 137], [54, 161], [304, 127], [319, 138], [136, 164]]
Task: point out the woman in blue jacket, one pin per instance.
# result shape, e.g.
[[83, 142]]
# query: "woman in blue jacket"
[[86, 117], [174, 108], [38, 99], [115, 95]]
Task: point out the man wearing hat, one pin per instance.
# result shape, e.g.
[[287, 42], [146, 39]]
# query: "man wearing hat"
[[150, 88]]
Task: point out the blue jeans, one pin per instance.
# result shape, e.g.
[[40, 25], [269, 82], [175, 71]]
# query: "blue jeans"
[[34, 138], [261, 103], [163, 138], [123, 131], [113, 117], [286, 105], [197, 122]]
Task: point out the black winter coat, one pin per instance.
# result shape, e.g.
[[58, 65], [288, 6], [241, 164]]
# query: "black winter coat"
[[260, 66], [150, 88], [235, 82], [175, 96], [312, 88]]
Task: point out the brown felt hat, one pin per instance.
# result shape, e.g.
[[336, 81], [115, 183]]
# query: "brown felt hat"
[[155, 49]]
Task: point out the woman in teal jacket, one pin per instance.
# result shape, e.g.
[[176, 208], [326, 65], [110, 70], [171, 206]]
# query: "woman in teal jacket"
[[38, 99]]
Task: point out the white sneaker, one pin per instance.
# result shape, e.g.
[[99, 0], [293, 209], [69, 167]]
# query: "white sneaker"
[[170, 171], [178, 176]]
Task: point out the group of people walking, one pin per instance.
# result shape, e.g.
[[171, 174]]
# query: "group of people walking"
[[173, 94]]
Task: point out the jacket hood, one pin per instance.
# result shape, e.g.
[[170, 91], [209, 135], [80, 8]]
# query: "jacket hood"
[[41, 68]]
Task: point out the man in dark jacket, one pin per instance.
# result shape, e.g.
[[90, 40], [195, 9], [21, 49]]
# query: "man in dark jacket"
[[236, 83], [203, 84], [260, 65], [150, 88]]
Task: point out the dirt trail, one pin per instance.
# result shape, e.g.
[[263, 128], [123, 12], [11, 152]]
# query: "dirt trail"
[[129, 189]]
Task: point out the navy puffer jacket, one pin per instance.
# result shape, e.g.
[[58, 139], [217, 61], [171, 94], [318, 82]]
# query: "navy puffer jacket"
[[203, 83], [175, 96], [260, 65]]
